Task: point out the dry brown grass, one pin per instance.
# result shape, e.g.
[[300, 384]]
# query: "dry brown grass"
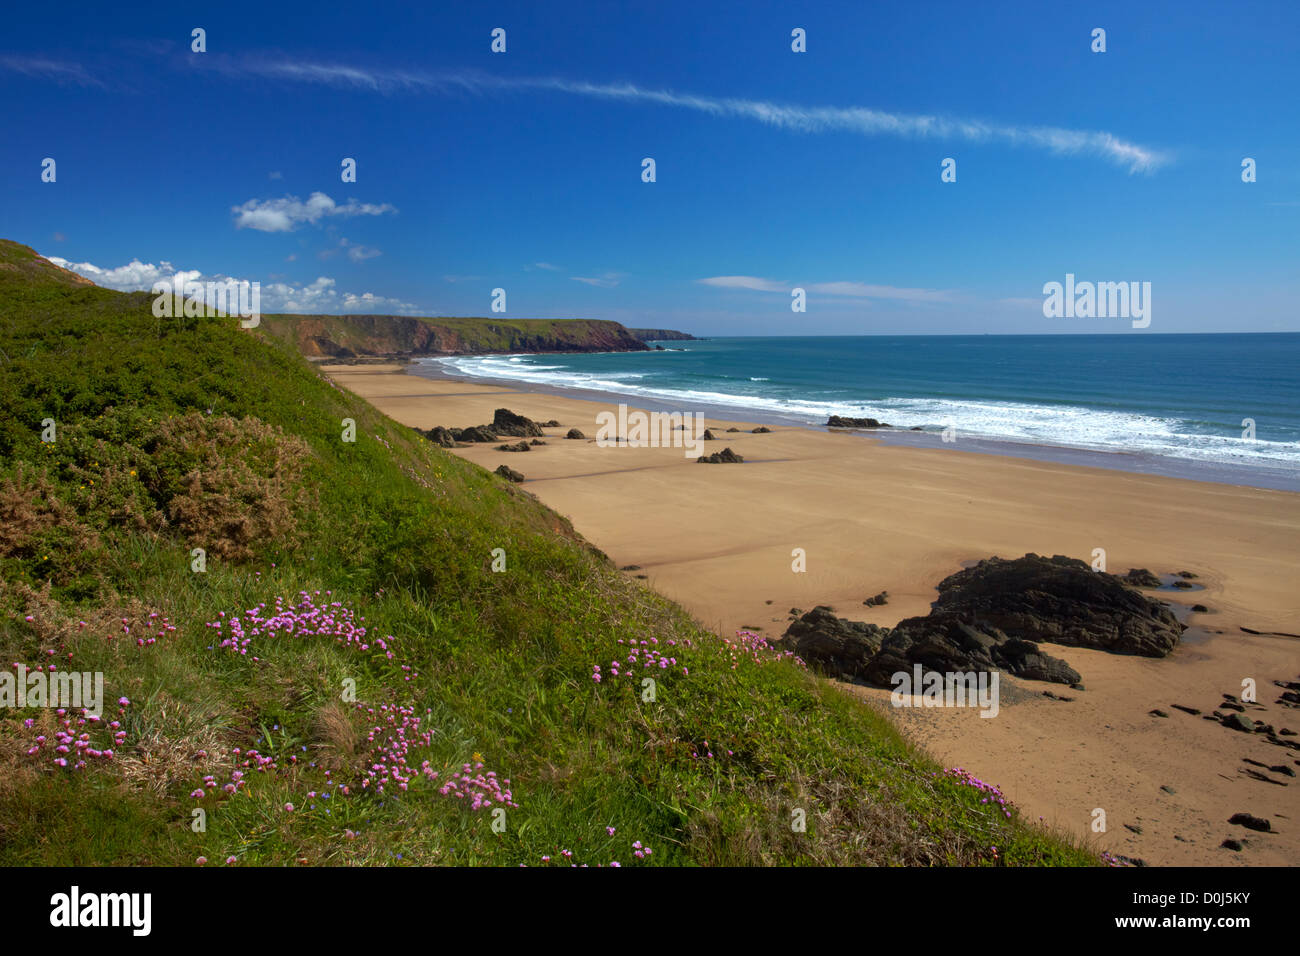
[[336, 737]]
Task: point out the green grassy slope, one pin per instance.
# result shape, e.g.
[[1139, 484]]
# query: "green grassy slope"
[[173, 435]]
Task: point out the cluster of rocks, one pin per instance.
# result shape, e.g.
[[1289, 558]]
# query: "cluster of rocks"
[[1232, 712], [509, 474], [992, 617], [1142, 578], [505, 424], [877, 600], [726, 456]]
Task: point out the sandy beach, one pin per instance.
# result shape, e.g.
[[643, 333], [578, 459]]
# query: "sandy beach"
[[874, 517]]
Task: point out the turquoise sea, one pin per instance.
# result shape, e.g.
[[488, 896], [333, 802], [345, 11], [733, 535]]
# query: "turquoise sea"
[[1179, 404]]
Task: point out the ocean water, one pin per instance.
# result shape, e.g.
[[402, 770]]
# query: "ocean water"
[[1178, 398]]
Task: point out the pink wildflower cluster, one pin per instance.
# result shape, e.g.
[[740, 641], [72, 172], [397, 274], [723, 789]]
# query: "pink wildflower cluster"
[[80, 739], [144, 637], [992, 793], [751, 646], [481, 789], [646, 654], [398, 730], [306, 619], [148, 632], [243, 760], [708, 752], [236, 782], [639, 850]]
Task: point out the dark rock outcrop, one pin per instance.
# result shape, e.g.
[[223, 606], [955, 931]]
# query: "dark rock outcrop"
[[726, 456], [1062, 601], [1251, 822], [709, 436], [877, 600], [761, 430], [574, 433], [521, 446], [835, 421], [946, 644], [1140, 578], [475, 433], [838, 647], [508, 473], [993, 616], [506, 422], [440, 436], [1239, 722]]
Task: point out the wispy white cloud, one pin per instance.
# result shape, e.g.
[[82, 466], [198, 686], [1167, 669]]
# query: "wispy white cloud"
[[861, 120], [321, 295], [359, 253], [355, 252], [606, 281], [288, 213], [547, 266], [47, 69], [752, 283], [858, 290], [864, 290]]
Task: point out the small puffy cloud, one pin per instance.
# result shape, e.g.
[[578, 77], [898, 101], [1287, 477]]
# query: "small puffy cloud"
[[319, 296], [290, 212], [547, 266]]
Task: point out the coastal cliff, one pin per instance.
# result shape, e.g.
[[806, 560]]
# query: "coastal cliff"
[[358, 336], [662, 335]]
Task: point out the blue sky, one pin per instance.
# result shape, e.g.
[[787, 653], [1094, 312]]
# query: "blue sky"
[[522, 170]]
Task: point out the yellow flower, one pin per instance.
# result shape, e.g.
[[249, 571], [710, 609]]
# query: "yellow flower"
[[478, 757]]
